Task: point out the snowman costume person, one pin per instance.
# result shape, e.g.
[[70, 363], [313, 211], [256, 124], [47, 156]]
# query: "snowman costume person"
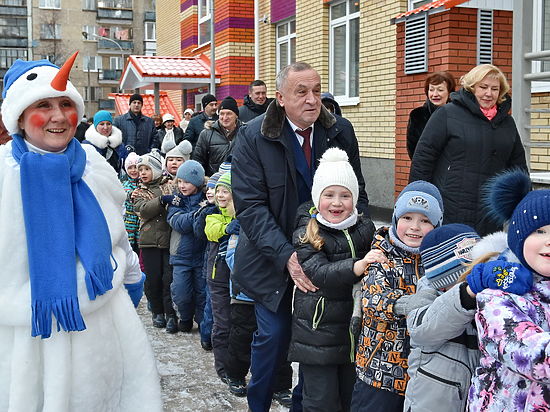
[[70, 338]]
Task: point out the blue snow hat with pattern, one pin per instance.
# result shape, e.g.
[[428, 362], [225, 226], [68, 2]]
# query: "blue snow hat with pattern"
[[419, 197], [445, 251], [192, 172], [225, 181], [509, 198], [211, 184]]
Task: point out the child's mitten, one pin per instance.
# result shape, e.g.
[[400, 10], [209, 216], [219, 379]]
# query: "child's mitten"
[[500, 274]]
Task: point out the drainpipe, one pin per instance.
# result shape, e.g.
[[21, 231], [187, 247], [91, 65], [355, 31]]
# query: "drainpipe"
[[256, 39], [30, 41], [212, 51]]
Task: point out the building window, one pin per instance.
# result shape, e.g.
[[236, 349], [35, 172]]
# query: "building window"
[[50, 31], [413, 4], [89, 5], [92, 63], [115, 63], [49, 4], [13, 2], [92, 93], [8, 56], [150, 31], [344, 49], [541, 41], [13, 27], [90, 31], [204, 22], [115, 4], [286, 44]]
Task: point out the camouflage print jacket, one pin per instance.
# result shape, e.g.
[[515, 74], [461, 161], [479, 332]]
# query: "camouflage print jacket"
[[384, 346]]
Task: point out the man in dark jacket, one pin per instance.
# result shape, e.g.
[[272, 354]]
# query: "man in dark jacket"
[[274, 160], [217, 140], [137, 129], [196, 124], [255, 102]]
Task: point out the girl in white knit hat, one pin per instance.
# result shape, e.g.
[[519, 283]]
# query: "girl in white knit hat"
[[331, 241]]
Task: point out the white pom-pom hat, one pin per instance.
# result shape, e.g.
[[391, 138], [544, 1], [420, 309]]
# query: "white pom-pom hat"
[[29, 81], [334, 169]]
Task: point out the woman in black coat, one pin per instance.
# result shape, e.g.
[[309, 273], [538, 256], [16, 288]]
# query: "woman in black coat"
[[438, 88], [468, 141]]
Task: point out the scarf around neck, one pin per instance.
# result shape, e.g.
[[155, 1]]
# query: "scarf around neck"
[[344, 224], [489, 113], [62, 219]]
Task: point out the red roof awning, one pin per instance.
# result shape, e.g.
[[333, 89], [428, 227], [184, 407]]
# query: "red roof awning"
[[148, 109], [445, 4], [171, 73]]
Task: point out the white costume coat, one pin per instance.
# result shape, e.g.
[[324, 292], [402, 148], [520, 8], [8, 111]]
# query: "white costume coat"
[[107, 367]]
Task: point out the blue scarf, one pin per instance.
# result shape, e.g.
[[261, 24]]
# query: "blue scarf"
[[62, 219]]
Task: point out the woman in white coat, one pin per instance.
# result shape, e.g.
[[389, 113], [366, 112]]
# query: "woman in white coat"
[[70, 339]]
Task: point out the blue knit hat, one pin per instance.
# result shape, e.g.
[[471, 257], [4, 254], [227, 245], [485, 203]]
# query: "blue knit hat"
[[102, 116], [211, 184], [192, 172], [420, 197], [445, 251], [225, 167], [530, 214], [508, 198]]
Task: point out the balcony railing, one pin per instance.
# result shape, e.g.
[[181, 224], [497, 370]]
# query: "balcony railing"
[[106, 104], [106, 44], [14, 42], [117, 14], [110, 74]]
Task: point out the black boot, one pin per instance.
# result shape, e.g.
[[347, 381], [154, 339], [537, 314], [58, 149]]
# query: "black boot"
[[159, 321], [172, 325], [185, 325]]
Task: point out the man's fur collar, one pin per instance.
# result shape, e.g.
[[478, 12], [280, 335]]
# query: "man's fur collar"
[[274, 120], [100, 141]]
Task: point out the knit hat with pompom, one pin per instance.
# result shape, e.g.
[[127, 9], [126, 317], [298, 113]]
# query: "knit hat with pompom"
[[334, 169], [508, 197]]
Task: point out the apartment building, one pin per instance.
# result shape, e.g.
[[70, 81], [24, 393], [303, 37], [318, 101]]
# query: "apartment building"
[[105, 32]]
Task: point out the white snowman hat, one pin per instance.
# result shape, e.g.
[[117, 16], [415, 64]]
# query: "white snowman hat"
[[29, 81]]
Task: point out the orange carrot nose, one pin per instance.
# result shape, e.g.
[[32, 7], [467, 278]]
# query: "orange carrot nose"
[[59, 82]]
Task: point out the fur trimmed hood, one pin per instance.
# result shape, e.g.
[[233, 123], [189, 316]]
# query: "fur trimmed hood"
[[274, 120], [495, 242], [100, 141]]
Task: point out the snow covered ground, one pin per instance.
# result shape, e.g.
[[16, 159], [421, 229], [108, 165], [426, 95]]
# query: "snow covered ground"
[[188, 379]]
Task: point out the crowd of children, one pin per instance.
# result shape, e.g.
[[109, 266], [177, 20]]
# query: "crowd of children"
[[394, 324]]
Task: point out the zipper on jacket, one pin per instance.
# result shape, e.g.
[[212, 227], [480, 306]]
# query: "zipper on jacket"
[[214, 271], [317, 316], [350, 242], [457, 385], [452, 359]]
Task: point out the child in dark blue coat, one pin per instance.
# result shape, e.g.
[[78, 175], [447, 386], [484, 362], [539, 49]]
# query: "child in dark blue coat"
[[187, 251]]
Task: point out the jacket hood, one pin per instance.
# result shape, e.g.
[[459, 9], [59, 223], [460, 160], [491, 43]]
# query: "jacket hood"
[[328, 97], [100, 141], [274, 120], [494, 243], [468, 100]]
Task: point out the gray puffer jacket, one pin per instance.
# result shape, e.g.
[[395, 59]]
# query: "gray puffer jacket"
[[444, 354]]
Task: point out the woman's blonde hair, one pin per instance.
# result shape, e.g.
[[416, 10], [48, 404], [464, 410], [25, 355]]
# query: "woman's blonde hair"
[[482, 259], [312, 232], [478, 73]]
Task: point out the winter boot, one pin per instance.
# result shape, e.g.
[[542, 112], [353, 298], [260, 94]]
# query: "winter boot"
[[159, 320], [185, 325], [237, 386], [284, 398], [172, 325]]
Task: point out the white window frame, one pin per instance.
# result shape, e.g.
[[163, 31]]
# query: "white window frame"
[[91, 30], [150, 26], [345, 99], [97, 93], [97, 63], [203, 20], [115, 63], [538, 15], [285, 40], [414, 4], [56, 35], [89, 4], [49, 4]]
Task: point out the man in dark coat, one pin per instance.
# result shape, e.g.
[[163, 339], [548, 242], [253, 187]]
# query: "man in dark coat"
[[272, 174], [255, 102], [138, 130], [196, 124]]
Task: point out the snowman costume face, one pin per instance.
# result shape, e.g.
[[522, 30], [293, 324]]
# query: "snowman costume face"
[[28, 85]]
